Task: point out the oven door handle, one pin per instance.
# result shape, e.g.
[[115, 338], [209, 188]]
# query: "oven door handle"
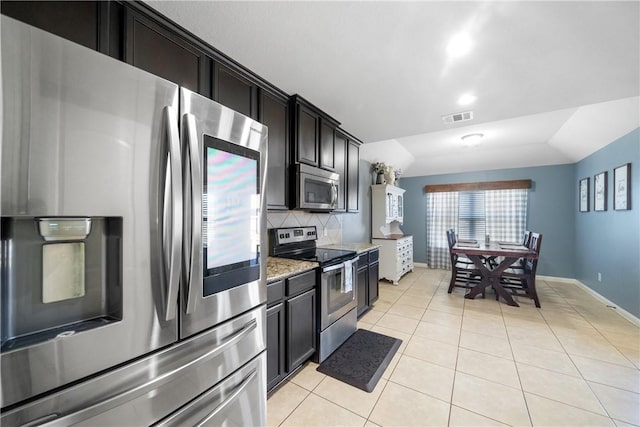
[[193, 228], [333, 268]]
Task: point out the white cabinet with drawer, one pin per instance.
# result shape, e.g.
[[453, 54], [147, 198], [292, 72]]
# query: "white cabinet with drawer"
[[396, 257]]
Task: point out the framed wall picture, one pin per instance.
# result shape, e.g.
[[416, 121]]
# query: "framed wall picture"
[[584, 194], [621, 190], [600, 192]]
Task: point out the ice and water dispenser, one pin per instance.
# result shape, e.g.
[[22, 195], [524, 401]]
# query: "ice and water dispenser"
[[60, 276]]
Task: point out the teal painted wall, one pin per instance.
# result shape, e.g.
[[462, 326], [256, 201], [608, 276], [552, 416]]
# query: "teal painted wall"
[[550, 211], [575, 245], [609, 242]]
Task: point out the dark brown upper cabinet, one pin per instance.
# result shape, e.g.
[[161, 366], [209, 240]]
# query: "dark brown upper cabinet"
[[340, 152], [161, 51], [235, 91], [305, 134], [274, 113], [353, 179], [93, 24], [352, 170], [327, 145], [309, 126]]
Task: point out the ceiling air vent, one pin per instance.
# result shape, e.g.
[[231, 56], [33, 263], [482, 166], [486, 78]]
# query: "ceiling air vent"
[[457, 117]]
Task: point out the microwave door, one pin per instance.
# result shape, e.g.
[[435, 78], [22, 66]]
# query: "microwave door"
[[224, 272], [317, 189]]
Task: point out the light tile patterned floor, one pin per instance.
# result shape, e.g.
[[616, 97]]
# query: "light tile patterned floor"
[[574, 362]]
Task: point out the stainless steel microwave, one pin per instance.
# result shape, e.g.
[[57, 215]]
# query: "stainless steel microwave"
[[316, 189]]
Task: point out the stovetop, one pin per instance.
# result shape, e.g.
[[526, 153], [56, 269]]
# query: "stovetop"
[[322, 255], [300, 243]]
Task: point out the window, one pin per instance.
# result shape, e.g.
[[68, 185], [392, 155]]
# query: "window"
[[472, 214]]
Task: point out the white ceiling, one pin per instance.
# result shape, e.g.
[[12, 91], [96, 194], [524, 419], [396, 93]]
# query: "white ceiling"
[[555, 81]]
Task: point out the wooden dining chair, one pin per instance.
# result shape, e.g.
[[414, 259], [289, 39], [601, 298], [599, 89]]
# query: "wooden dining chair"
[[464, 274], [521, 279]]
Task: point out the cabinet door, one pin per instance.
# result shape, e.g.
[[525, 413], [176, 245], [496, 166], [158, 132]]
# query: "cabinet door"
[[301, 329], [327, 146], [162, 52], [275, 345], [234, 91], [340, 163], [274, 113], [353, 181], [373, 283], [308, 125], [77, 21], [97, 25], [362, 278]]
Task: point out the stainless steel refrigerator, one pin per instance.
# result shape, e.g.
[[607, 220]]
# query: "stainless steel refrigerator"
[[133, 280]]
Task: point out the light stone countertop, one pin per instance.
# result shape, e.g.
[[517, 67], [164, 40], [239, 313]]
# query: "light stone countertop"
[[358, 247], [280, 268], [393, 237]]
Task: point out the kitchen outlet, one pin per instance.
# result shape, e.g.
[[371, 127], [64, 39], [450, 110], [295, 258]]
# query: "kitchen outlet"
[[325, 232], [599, 277]]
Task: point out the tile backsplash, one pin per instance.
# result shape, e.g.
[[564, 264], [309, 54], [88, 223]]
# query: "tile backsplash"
[[326, 223]]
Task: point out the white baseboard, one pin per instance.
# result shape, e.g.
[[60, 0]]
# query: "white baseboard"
[[421, 264], [621, 311], [557, 279]]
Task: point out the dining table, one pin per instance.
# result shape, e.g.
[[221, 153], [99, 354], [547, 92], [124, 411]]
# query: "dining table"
[[485, 257]]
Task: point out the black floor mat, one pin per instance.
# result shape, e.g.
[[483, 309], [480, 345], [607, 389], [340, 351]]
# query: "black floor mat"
[[361, 360]]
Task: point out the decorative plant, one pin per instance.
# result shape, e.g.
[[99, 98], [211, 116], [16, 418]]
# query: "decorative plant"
[[378, 167], [398, 173]]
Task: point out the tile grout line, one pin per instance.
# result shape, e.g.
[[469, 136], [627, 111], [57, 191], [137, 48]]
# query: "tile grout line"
[[524, 396], [455, 368], [571, 359]]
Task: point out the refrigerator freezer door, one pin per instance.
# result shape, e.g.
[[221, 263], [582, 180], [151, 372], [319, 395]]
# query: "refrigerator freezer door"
[[202, 119], [87, 136], [223, 369]]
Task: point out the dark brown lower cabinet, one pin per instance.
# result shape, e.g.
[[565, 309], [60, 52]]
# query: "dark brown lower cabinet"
[[275, 345], [301, 329], [367, 280], [374, 277], [291, 325], [362, 282]]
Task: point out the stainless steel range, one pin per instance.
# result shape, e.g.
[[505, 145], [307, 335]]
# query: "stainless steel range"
[[337, 313]]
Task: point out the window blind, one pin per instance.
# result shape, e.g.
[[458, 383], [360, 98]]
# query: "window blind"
[[472, 222]]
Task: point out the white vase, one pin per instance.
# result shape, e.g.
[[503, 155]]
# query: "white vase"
[[390, 177]]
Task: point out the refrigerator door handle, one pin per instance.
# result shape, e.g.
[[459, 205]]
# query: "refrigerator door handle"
[[158, 381], [233, 396], [239, 389], [174, 199], [193, 261]]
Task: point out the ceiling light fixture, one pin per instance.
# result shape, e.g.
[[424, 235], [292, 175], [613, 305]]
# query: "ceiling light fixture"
[[467, 99], [459, 45], [472, 139]]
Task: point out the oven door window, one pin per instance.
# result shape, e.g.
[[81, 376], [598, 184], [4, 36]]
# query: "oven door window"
[[230, 215], [339, 292]]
